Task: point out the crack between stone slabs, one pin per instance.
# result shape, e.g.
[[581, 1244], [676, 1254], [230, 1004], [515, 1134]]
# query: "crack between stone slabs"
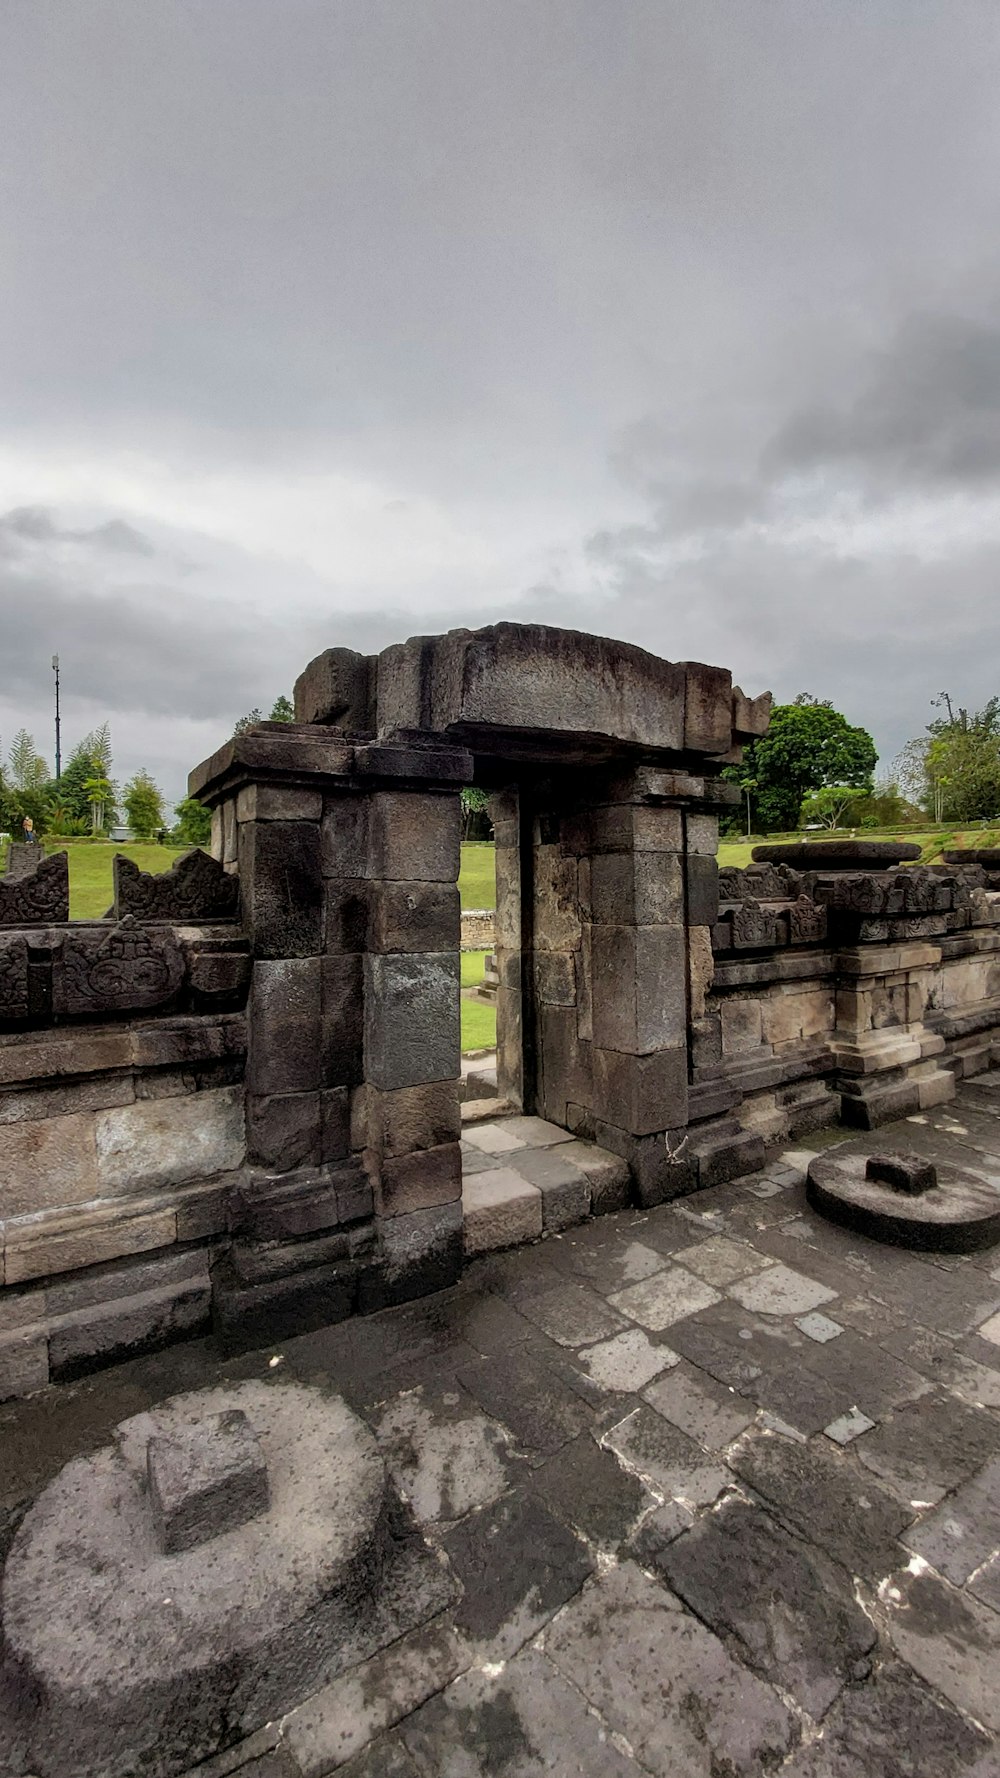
[[607, 1563], [885, 1597]]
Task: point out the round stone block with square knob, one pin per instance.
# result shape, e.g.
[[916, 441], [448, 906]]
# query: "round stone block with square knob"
[[903, 1199], [850, 855], [194, 1578]]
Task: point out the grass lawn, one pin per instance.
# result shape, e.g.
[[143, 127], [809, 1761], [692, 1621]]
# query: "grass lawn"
[[931, 840], [477, 879], [479, 1025], [90, 883]]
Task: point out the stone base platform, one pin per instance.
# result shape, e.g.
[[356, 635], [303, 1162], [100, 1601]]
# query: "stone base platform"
[[523, 1177]]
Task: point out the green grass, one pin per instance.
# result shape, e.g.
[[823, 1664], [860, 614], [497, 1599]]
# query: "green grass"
[[931, 840], [90, 881], [479, 1025], [473, 968], [477, 880]]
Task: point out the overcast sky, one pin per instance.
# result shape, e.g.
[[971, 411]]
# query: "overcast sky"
[[336, 320]]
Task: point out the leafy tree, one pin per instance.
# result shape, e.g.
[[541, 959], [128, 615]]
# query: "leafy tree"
[[91, 757], [835, 805], [808, 746], [962, 763], [143, 805], [475, 821], [283, 710], [194, 822], [100, 792], [28, 770], [242, 723]]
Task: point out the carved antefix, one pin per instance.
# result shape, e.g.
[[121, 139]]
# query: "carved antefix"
[[39, 897], [754, 928], [13, 978], [806, 922], [124, 970], [195, 889]]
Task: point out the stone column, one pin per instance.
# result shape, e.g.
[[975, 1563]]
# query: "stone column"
[[412, 1045]]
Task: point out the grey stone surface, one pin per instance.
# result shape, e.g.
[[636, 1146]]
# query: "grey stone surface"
[[667, 1296], [588, 1488], [924, 1448], [525, 1720], [815, 1491], [792, 1610], [950, 1640], [896, 1727], [519, 1564], [664, 1683], [706, 1410], [412, 1019], [963, 1532], [667, 1459], [205, 1479], [960, 1214]]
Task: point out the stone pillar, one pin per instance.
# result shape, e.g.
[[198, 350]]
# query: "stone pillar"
[[412, 1043]]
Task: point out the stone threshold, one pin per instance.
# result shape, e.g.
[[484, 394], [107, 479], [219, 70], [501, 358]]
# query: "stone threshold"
[[523, 1177]]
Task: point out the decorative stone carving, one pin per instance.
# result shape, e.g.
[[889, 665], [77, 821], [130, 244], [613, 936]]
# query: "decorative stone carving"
[[40, 897], [806, 922], [13, 978], [124, 970], [754, 928], [195, 889], [730, 883]]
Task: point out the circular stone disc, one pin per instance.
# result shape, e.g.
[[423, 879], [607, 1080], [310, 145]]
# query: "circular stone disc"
[[131, 1647], [853, 855], [959, 1215]]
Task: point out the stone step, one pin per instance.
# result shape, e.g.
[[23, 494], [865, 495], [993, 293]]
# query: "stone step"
[[524, 1177]]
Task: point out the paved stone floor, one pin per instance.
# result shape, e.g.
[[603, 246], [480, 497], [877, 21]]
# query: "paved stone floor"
[[721, 1484]]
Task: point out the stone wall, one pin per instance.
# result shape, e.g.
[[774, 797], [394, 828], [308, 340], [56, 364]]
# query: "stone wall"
[[479, 927], [839, 996]]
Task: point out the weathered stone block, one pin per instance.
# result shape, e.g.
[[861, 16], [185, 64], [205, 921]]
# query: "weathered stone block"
[[218, 979], [127, 968], [71, 1241], [702, 880], [419, 1252], [565, 1068], [342, 1044], [741, 1027], [607, 1175], [639, 987], [637, 889], [415, 836], [413, 1117], [109, 1332], [414, 917], [46, 1163], [282, 887], [556, 977], [344, 838], [13, 978], [412, 1019], [751, 716], [205, 1479], [337, 689], [278, 802], [335, 1123], [627, 827], [641, 1094], [284, 1130], [701, 969], [285, 1025], [660, 1166], [162, 1142], [501, 1210], [556, 911], [419, 1181], [708, 708], [702, 834], [535, 682], [24, 1364]]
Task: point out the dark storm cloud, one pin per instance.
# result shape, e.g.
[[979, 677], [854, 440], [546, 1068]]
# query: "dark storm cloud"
[[928, 410], [37, 524]]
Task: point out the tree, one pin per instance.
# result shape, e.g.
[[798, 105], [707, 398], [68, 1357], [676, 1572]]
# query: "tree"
[[242, 723], [194, 822], [28, 770], [143, 805], [808, 746], [91, 758], [475, 821], [100, 791], [835, 805], [283, 710]]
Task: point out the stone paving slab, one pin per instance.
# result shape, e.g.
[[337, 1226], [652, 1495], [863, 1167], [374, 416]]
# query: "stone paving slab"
[[620, 1442]]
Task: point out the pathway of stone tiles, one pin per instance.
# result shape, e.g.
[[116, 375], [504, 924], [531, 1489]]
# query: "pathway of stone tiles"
[[720, 1482]]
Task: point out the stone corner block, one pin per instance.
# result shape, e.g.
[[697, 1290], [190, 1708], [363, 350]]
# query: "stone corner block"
[[204, 1480]]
